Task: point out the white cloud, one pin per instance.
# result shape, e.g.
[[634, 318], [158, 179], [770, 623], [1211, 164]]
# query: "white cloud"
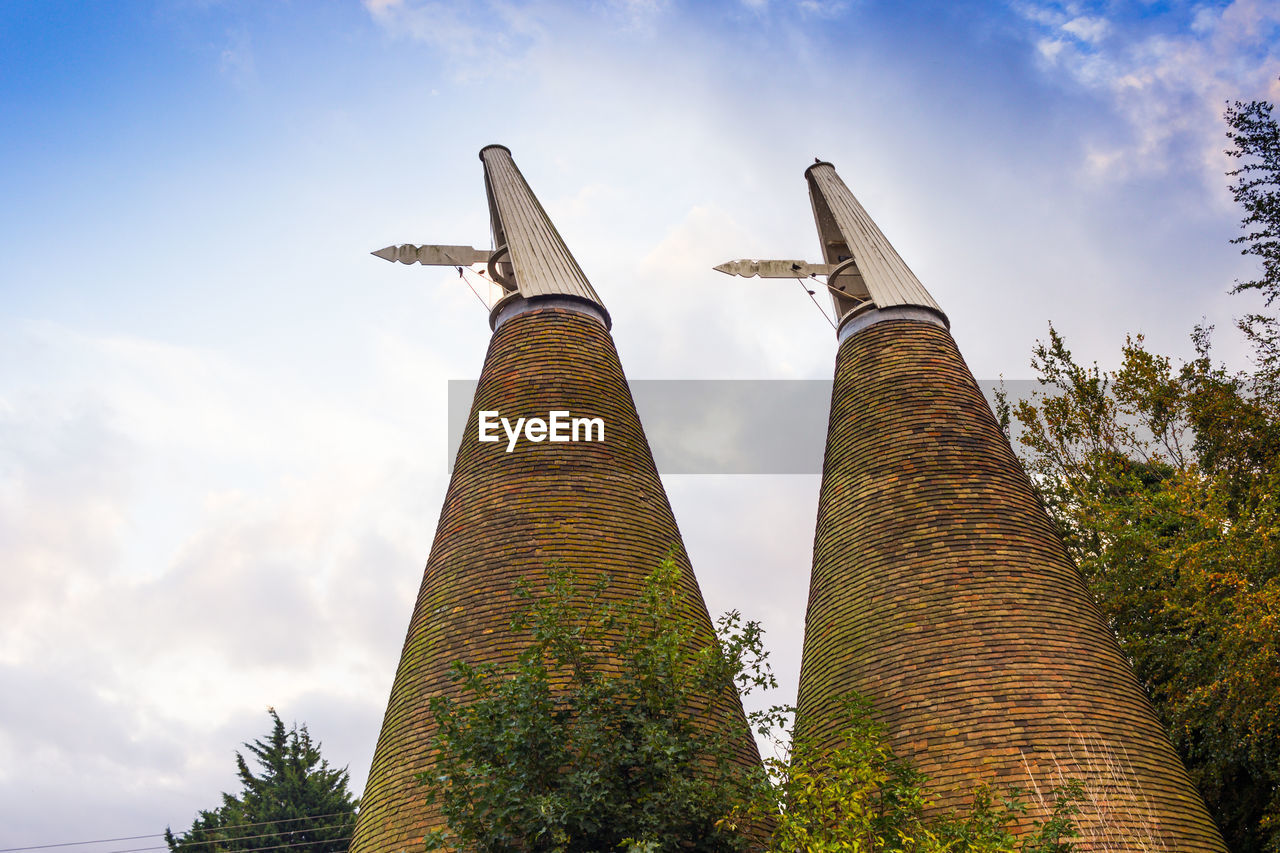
[[806, 8], [284, 539], [822, 8], [639, 14], [1050, 48], [235, 61], [449, 27], [1087, 29], [586, 201], [1169, 88], [479, 38], [65, 481], [707, 330]]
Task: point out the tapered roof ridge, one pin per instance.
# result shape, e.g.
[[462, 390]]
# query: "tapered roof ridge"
[[534, 260], [876, 275]]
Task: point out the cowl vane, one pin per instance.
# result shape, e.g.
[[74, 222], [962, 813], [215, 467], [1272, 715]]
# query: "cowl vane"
[[864, 272], [529, 261]]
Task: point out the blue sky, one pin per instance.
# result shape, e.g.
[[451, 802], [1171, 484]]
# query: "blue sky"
[[222, 421]]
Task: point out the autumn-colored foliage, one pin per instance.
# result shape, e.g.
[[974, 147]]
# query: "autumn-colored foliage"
[[1165, 482]]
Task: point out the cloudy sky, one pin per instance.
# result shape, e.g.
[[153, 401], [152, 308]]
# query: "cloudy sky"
[[222, 422]]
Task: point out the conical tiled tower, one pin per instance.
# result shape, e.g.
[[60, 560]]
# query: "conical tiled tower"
[[940, 589], [593, 508]]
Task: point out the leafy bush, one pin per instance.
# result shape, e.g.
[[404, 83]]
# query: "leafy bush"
[[618, 727], [862, 797], [616, 724]]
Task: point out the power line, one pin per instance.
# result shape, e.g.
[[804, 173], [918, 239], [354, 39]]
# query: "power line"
[[272, 822], [77, 843], [214, 841], [161, 834], [219, 838]]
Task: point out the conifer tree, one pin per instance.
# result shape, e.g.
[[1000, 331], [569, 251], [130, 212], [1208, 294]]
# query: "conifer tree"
[[294, 802]]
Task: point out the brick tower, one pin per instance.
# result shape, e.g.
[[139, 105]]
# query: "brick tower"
[[940, 589], [592, 507]]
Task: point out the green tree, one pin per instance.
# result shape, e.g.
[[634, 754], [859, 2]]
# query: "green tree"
[[1255, 143], [295, 802], [860, 796], [1165, 481], [594, 740], [615, 724], [1166, 486]]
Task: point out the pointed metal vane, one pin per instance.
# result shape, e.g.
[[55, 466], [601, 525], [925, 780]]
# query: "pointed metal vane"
[[863, 271], [774, 269], [529, 261], [436, 256]]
